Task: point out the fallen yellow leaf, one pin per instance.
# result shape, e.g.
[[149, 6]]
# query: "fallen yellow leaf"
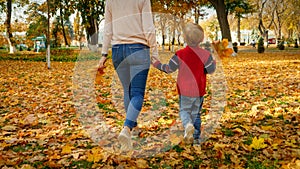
[[225, 43], [95, 156], [175, 139], [67, 149], [141, 163], [187, 156], [258, 143], [27, 166], [218, 146], [266, 127], [291, 144], [246, 127]]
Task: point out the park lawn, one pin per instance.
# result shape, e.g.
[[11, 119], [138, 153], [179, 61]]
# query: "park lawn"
[[41, 128]]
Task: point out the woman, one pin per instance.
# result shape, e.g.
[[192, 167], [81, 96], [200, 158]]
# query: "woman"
[[130, 30]]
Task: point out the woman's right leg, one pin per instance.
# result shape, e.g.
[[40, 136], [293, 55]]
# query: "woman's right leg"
[[123, 71], [132, 62], [122, 68]]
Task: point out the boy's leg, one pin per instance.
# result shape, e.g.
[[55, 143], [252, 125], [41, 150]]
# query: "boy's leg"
[[185, 104], [185, 115], [196, 116]]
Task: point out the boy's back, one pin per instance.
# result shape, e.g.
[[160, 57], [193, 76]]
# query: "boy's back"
[[191, 80]]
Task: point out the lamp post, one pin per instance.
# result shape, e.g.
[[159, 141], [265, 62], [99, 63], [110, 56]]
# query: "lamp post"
[[48, 37]]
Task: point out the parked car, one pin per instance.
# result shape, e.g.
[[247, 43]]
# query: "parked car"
[[272, 41]]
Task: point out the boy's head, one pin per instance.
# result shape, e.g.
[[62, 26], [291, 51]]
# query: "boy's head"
[[193, 34]]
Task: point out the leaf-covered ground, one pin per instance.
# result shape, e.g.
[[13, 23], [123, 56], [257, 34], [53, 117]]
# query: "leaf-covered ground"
[[41, 128]]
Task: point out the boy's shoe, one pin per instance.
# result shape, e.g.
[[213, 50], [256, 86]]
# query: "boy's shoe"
[[188, 133], [197, 142], [125, 139]]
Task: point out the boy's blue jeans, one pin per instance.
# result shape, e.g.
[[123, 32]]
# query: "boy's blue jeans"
[[189, 112], [132, 63]]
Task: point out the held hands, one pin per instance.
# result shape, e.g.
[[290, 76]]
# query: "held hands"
[[154, 60]]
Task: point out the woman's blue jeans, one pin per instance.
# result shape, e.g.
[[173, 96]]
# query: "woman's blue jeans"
[[190, 112], [132, 63]]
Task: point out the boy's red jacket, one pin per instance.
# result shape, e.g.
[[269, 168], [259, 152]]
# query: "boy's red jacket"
[[191, 79]]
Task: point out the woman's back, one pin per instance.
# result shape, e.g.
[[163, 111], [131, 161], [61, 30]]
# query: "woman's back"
[[129, 21]]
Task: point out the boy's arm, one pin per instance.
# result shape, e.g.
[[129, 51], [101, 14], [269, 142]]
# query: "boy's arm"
[[210, 65], [168, 68]]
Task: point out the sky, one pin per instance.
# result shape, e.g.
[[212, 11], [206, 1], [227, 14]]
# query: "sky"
[[18, 12]]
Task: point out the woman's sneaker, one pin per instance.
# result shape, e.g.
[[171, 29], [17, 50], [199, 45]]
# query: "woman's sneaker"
[[188, 134], [125, 139]]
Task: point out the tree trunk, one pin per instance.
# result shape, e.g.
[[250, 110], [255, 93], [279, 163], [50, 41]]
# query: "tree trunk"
[[197, 15], [173, 33], [239, 29], [178, 41], [267, 37], [222, 13], [216, 38], [9, 35], [63, 26], [48, 37], [173, 43], [54, 33], [92, 32], [279, 26], [163, 41], [261, 26], [262, 29]]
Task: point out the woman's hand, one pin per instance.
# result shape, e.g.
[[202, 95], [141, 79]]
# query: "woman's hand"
[[102, 62]]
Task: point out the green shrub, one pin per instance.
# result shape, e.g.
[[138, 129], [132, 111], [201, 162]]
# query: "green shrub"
[[280, 45], [296, 43], [235, 47], [260, 45]]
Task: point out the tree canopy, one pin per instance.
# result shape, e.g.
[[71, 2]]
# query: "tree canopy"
[[279, 16]]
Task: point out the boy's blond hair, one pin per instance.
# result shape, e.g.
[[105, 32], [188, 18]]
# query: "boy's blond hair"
[[193, 34]]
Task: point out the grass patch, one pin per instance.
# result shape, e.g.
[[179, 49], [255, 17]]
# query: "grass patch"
[[57, 54], [178, 149], [81, 164], [192, 164], [106, 107], [228, 132]]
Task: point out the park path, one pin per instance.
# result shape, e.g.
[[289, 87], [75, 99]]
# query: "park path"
[[259, 126]]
